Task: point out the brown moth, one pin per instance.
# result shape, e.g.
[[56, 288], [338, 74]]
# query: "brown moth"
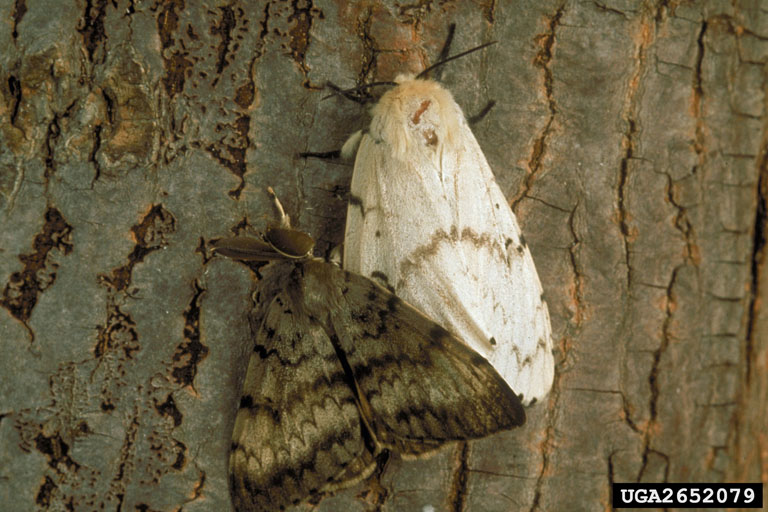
[[341, 371]]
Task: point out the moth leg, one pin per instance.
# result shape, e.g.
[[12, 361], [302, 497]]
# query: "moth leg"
[[410, 449], [376, 493], [336, 254], [346, 152], [356, 471], [481, 115], [323, 155]]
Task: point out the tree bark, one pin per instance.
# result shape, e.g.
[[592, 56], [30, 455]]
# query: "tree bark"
[[629, 137]]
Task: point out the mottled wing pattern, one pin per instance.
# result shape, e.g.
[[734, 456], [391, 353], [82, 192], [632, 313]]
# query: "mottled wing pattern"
[[298, 430], [418, 386]]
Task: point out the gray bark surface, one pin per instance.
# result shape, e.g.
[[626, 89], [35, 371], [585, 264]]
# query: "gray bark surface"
[[629, 137]]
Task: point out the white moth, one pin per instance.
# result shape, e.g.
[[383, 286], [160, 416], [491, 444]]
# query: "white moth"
[[427, 218]]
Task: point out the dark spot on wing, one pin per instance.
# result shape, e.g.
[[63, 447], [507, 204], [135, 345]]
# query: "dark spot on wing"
[[357, 201], [477, 359], [492, 340], [263, 353], [382, 278], [392, 303], [246, 402], [438, 333]]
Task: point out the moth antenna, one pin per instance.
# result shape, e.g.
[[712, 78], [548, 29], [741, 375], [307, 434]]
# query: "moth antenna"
[[338, 91], [446, 47], [348, 93], [454, 57], [285, 220]]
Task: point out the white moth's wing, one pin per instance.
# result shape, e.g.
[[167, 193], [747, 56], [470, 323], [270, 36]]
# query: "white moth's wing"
[[497, 256], [427, 217], [297, 432]]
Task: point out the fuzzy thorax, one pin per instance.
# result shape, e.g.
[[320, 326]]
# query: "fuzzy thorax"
[[416, 115]]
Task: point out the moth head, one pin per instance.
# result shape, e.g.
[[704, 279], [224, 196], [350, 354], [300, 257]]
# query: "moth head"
[[279, 242], [417, 113]]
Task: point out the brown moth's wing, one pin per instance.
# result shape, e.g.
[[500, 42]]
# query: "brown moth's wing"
[[418, 386], [297, 432]]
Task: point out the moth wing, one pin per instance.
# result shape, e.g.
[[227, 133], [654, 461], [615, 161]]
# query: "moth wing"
[[462, 260], [519, 320], [418, 386], [365, 211], [489, 292], [297, 432]]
